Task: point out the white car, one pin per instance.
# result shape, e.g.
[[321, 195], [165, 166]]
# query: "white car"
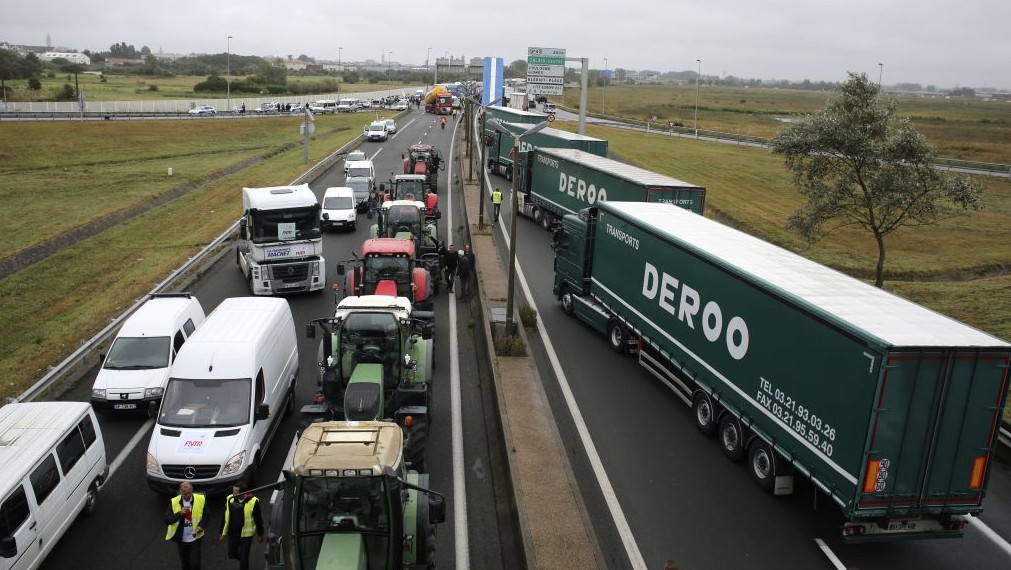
[[355, 156], [391, 126], [401, 105], [203, 110], [376, 131]]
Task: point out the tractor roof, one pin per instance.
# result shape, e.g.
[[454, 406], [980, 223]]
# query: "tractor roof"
[[387, 246], [374, 302], [332, 447], [421, 147], [409, 177]]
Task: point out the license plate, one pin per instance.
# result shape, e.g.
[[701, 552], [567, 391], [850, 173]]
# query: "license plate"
[[902, 525], [124, 406]]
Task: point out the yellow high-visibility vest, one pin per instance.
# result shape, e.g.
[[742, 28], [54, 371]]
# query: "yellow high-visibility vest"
[[248, 524], [196, 512]]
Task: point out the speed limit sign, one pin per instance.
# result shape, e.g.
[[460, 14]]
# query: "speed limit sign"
[[551, 118]]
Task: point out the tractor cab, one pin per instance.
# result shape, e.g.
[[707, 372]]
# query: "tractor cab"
[[414, 187]]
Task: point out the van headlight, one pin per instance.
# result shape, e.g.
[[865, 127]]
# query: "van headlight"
[[152, 465], [234, 464], [153, 392], [97, 394]]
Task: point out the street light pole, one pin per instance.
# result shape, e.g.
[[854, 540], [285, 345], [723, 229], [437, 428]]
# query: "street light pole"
[[389, 67], [340, 70], [697, 76], [228, 74], [603, 88], [881, 68], [428, 68], [510, 294]]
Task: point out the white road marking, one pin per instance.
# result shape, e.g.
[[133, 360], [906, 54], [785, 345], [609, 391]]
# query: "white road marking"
[[116, 463], [829, 554]]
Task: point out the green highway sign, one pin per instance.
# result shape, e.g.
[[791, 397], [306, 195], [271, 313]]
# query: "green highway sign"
[[534, 60]]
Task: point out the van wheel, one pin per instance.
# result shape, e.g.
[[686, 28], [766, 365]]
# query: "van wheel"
[[617, 337], [290, 407], [90, 500], [249, 284], [705, 414], [731, 438], [762, 464], [566, 299], [251, 472]]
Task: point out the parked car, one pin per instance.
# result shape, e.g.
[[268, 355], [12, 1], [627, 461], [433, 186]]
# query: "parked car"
[[203, 110], [401, 105], [347, 106], [268, 108], [324, 106], [391, 126]]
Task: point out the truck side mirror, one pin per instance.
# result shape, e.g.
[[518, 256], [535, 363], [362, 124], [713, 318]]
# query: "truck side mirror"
[[341, 271], [310, 330], [262, 412], [8, 547], [436, 508]]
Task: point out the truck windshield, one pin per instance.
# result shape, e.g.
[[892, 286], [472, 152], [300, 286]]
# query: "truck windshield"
[[205, 403], [138, 353], [286, 225], [327, 507]]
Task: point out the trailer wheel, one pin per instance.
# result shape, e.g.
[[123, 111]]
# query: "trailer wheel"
[[566, 299], [762, 464], [705, 414], [546, 221], [617, 337], [538, 216], [731, 438]]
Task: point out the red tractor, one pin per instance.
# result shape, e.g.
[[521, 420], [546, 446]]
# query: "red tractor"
[[388, 266], [426, 160]]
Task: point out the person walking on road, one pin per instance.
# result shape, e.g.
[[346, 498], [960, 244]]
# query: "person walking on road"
[[185, 520], [496, 202], [463, 269], [242, 521], [449, 266]]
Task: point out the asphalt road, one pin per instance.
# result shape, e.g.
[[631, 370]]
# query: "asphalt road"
[[126, 532], [683, 500]]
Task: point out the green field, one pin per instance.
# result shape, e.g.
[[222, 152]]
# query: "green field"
[[960, 128], [62, 176]]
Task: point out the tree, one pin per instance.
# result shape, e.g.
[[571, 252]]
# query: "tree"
[[856, 167], [517, 68]]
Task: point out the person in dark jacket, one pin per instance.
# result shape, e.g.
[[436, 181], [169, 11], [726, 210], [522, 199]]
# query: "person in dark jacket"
[[449, 266], [242, 521], [463, 271]]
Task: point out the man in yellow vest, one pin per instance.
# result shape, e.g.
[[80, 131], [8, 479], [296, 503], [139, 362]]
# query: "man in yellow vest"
[[185, 520], [242, 521], [496, 202]]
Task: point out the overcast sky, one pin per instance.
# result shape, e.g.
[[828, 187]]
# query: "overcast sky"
[[932, 42]]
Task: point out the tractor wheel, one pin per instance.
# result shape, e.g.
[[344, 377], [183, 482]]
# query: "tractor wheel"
[[705, 413], [428, 556], [414, 453], [731, 438]]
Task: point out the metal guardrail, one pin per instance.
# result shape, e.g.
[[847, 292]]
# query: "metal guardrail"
[[76, 361]]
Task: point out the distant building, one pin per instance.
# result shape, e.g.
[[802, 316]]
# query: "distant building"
[[123, 61], [71, 56]]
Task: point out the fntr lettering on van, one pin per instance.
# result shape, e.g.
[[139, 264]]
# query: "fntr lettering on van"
[[657, 283]]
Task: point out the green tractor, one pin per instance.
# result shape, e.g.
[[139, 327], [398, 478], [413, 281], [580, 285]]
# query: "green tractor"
[[375, 360], [346, 501]]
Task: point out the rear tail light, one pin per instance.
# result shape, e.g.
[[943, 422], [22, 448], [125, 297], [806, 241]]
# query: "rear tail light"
[[956, 524], [854, 530], [978, 469]]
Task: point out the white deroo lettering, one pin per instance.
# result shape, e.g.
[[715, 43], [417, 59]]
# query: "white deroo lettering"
[[622, 236], [580, 190], [657, 283]]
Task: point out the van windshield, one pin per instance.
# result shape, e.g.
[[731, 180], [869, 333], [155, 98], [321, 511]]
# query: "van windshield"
[[338, 203], [362, 171], [205, 403], [138, 353]]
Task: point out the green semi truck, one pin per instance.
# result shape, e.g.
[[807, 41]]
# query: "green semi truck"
[[891, 409], [500, 145], [557, 181]]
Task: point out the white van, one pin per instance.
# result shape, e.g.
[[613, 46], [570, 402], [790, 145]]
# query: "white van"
[[376, 131], [324, 107], [227, 391], [52, 465], [134, 373], [339, 209]]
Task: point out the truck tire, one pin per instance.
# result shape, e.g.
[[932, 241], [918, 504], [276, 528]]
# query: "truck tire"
[[617, 337], [566, 299], [705, 414], [546, 221], [538, 215], [762, 464], [731, 438]]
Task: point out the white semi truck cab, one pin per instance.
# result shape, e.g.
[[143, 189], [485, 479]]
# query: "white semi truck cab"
[[280, 246]]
